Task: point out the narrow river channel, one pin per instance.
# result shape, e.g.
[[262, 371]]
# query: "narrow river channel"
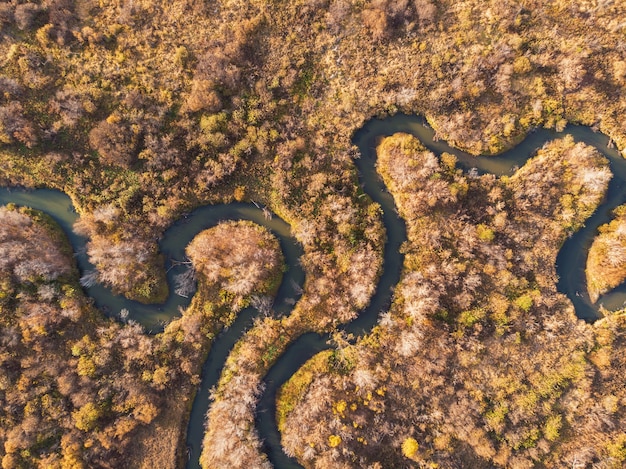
[[570, 261]]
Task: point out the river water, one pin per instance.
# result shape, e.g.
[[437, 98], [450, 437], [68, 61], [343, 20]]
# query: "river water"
[[570, 261]]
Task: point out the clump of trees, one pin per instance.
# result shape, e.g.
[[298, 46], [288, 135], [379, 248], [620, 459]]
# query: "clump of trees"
[[46, 263], [79, 406], [116, 143], [161, 106], [230, 438], [337, 284], [156, 107], [127, 263], [606, 266], [238, 257]]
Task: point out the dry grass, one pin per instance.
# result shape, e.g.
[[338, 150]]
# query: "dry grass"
[[162, 444]]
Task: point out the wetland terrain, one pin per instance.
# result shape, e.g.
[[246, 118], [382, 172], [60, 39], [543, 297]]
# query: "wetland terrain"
[[228, 240]]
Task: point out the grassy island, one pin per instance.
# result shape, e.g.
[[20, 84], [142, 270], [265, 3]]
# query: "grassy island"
[[606, 263]]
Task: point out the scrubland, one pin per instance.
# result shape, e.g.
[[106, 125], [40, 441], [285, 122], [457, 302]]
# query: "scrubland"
[[141, 110], [80, 390]]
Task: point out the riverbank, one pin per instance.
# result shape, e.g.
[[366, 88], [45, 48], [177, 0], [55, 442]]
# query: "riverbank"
[[143, 111], [276, 336], [476, 306]]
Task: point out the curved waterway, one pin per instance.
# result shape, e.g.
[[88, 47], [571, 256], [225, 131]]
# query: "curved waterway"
[[172, 246], [572, 256], [570, 261]]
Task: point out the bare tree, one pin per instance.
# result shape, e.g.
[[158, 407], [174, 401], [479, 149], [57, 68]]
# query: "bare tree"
[[263, 304], [89, 278], [185, 282]]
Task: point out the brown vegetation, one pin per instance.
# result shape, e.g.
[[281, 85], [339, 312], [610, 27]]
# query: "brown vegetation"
[[240, 257], [102, 381], [479, 362], [175, 99], [77, 407], [606, 262], [141, 110]]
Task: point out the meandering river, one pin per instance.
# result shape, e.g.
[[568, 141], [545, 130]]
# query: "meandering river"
[[570, 261]]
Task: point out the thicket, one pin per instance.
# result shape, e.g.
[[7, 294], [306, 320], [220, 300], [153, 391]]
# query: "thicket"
[[75, 387], [72, 384], [155, 107]]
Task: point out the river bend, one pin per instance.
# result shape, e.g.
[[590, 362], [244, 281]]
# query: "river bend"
[[570, 261]]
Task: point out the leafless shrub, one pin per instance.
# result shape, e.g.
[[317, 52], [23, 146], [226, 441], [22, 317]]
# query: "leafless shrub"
[[185, 282]]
